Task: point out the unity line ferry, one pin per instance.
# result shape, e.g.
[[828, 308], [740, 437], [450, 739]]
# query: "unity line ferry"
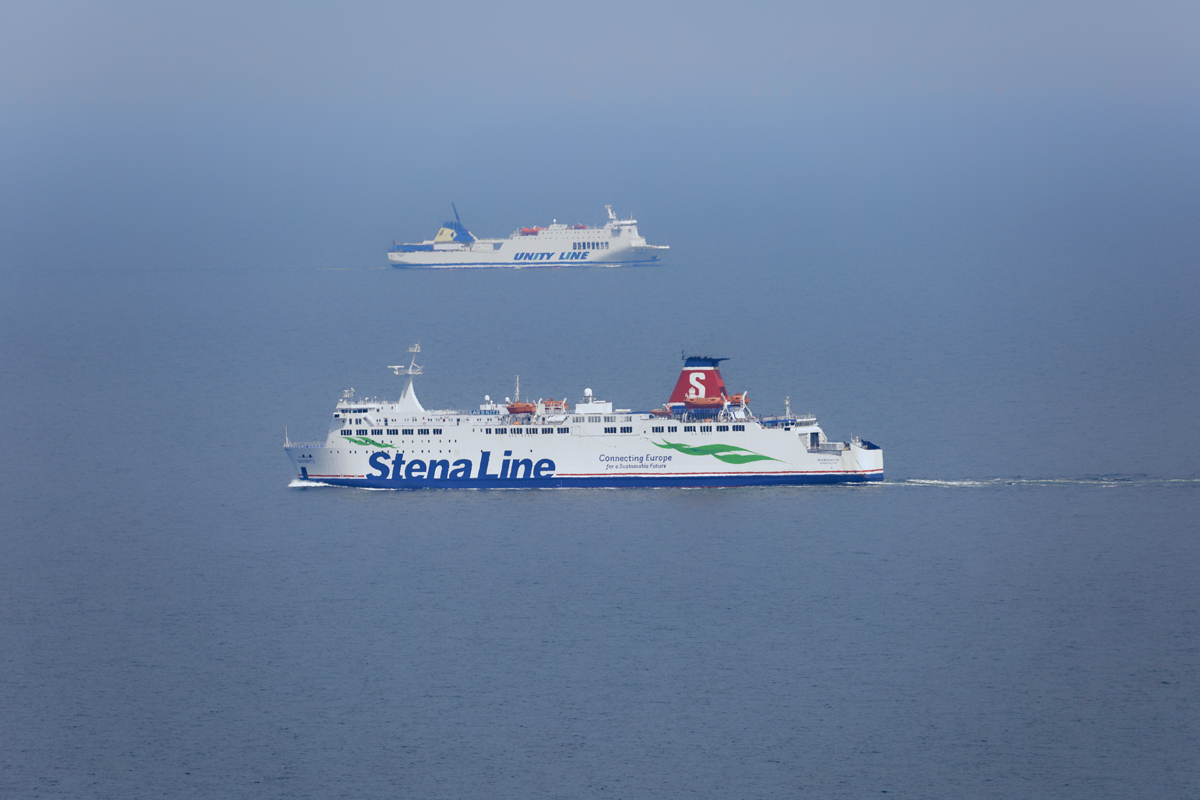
[[616, 244], [702, 436]]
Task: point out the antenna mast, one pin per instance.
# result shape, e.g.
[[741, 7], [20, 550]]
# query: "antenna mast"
[[412, 368]]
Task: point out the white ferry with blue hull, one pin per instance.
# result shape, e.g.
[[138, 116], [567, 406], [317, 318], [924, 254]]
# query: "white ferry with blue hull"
[[615, 244], [703, 436]]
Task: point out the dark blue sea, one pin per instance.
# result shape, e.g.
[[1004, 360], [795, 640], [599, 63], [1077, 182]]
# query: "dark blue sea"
[[1008, 306]]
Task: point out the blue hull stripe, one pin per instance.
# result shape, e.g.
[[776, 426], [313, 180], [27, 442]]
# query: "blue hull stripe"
[[527, 264], [605, 482]]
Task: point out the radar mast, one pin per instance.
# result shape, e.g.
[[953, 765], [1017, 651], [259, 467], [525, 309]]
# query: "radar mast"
[[412, 368], [408, 398]]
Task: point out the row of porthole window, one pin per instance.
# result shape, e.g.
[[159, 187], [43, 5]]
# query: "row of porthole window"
[[530, 430], [591, 246], [392, 432]]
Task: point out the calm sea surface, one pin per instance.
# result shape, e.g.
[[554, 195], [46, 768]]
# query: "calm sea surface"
[[1014, 613]]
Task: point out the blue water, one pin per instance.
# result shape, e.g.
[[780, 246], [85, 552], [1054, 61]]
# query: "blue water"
[[1013, 613]]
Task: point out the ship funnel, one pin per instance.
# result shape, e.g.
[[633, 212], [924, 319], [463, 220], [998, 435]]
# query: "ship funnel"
[[700, 377], [453, 230]]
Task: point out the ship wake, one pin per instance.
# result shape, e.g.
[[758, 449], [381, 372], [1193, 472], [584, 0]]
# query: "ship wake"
[[1102, 481]]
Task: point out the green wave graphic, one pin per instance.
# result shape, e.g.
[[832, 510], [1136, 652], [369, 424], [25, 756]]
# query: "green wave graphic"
[[723, 452], [364, 441], [734, 458]]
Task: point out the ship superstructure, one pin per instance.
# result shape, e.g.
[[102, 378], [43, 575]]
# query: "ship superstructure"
[[616, 243], [699, 438]]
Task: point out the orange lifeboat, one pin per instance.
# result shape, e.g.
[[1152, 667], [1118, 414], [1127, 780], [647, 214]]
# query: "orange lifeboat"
[[703, 402], [738, 399], [521, 408], [663, 412], [579, 227], [556, 405], [530, 231]]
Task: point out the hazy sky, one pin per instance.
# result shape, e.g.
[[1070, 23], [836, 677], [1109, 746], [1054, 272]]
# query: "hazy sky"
[[534, 52], [127, 127]]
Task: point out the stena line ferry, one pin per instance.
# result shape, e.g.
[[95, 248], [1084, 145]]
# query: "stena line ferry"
[[616, 244], [702, 436]]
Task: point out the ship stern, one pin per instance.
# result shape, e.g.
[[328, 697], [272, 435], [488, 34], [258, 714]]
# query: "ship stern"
[[868, 458]]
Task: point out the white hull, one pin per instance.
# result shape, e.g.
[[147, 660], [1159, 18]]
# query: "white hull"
[[465, 457]]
